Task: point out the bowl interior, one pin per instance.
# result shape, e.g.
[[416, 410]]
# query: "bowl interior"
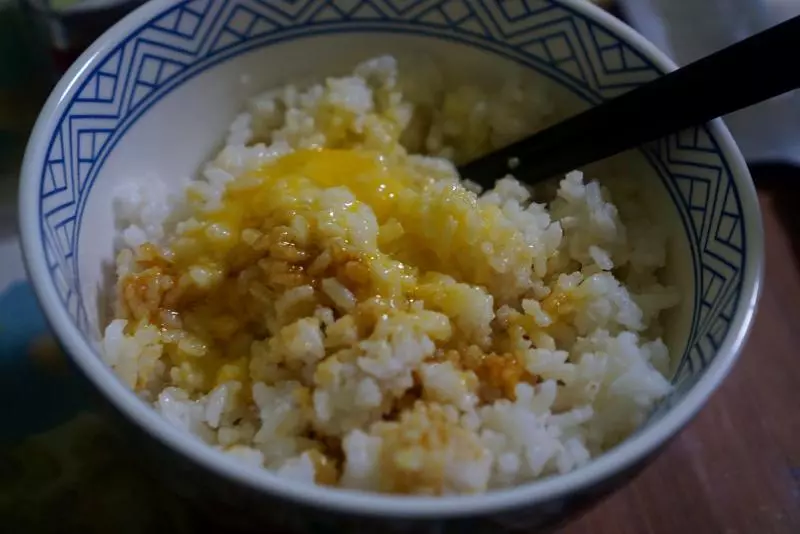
[[156, 95], [170, 141]]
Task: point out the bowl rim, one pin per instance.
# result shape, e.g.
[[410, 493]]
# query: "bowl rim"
[[626, 454]]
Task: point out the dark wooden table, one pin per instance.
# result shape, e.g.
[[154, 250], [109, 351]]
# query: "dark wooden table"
[[736, 468]]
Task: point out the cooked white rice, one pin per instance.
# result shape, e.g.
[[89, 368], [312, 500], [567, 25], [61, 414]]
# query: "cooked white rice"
[[375, 324]]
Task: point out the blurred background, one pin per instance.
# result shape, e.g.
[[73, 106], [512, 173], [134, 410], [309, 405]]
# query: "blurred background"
[[68, 464]]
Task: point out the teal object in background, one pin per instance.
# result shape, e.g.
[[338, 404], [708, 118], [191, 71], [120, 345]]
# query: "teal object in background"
[[63, 468], [36, 381]]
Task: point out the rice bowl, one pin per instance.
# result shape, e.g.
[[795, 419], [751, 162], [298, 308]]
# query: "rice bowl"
[[329, 299], [98, 139]]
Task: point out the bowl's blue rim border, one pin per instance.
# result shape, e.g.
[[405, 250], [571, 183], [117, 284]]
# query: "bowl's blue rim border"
[[623, 456]]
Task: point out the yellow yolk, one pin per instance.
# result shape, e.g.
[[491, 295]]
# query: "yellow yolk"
[[366, 174], [392, 227]]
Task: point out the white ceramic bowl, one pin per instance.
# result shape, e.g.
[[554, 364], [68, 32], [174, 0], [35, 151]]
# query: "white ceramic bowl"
[[153, 96]]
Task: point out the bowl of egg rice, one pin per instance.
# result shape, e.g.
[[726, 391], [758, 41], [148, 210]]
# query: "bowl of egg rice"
[[246, 224]]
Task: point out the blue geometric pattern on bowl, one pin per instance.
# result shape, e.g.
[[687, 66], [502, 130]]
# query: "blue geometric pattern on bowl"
[[545, 35]]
